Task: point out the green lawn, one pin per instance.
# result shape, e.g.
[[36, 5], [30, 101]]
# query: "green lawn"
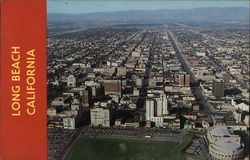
[[116, 149]]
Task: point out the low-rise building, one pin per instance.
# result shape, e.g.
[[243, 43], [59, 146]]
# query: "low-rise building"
[[51, 111], [69, 123], [71, 81], [100, 117]]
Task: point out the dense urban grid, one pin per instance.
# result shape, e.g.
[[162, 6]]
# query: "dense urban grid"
[[151, 82]]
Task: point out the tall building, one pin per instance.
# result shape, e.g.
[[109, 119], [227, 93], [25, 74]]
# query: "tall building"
[[184, 80], [162, 105], [86, 97], [218, 87], [112, 86], [181, 80], [156, 109], [150, 107], [187, 80], [71, 81]]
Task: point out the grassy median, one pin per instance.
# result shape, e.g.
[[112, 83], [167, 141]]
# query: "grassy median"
[[116, 149]]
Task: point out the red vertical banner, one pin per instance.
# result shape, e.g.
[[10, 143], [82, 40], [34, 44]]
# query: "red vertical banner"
[[23, 95]]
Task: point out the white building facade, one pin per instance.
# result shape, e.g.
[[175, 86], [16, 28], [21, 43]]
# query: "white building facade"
[[100, 117], [156, 109]]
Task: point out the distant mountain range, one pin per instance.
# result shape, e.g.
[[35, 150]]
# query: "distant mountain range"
[[209, 14]]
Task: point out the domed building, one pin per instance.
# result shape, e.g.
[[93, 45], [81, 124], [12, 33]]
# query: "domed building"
[[224, 144]]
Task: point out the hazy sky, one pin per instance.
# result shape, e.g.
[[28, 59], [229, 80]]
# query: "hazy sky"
[[90, 6]]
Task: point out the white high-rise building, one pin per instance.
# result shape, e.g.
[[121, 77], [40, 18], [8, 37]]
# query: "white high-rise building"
[[156, 109], [150, 105], [162, 105]]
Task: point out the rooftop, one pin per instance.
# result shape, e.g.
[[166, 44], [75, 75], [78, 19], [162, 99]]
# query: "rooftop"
[[228, 145], [221, 132]]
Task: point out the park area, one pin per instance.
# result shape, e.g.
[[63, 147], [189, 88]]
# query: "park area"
[[119, 149]]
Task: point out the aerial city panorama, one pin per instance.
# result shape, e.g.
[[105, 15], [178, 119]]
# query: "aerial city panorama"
[[148, 80]]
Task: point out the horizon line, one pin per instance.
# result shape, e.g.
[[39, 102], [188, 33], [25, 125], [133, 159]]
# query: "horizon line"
[[144, 10]]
